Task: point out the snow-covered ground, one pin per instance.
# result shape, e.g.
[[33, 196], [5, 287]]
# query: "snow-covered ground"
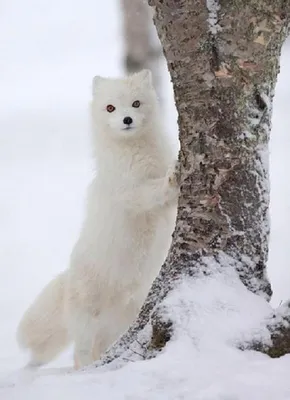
[[49, 52]]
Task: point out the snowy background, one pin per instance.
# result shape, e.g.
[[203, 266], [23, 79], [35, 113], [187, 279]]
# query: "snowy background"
[[50, 50]]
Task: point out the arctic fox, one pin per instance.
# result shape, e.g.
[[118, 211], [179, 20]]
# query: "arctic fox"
[[126, 234]]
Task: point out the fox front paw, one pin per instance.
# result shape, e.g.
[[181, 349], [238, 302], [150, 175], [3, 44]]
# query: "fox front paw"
[[172, 182], [173, 174]]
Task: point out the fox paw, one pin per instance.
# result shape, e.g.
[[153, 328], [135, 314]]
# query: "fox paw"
[[172, 183], [173, 174]]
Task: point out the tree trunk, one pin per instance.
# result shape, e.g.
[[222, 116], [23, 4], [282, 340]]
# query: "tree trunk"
[[141, 50], [223, 58]]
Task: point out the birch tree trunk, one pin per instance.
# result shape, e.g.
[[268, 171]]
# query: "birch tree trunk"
[[223, 58]]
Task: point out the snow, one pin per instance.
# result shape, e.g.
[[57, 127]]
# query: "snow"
[[208, 368], [50, 50], [213, 8]]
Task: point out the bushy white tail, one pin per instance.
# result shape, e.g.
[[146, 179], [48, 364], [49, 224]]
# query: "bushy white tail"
[[42, 329]]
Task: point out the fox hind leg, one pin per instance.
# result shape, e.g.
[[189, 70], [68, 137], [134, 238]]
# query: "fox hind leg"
[[83, 329]]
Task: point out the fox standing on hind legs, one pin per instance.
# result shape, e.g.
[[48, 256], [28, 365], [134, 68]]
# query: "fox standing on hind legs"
[[126, 234]]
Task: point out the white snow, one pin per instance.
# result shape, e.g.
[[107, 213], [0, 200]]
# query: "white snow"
[[213, 7], [50, 50]]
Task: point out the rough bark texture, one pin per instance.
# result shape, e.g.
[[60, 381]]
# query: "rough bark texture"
[[140, 50], [223, 59], [223, 76]]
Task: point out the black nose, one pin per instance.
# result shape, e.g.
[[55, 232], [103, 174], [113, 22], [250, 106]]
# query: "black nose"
[[127, 120]]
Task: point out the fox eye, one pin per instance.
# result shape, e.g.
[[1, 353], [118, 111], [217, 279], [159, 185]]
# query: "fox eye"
[[110, 108], [136, 104]]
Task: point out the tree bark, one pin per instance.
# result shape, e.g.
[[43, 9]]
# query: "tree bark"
[[224, 65], [223, 58]]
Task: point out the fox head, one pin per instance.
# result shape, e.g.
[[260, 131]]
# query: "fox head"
[[123, 107]]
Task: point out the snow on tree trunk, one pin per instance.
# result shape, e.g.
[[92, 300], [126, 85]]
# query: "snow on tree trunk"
[[142, 47], [223, 57]]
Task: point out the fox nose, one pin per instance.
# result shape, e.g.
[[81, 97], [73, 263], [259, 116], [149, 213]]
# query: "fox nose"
[[127, 120]]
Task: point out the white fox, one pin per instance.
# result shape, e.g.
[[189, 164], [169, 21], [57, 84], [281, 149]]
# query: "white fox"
[[130, 216]]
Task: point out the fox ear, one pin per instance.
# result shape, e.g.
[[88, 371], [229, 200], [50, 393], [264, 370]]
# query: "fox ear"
[[144, 76], [96, 80]]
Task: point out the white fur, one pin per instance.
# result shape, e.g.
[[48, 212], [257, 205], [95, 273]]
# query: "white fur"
[[126, 234]]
